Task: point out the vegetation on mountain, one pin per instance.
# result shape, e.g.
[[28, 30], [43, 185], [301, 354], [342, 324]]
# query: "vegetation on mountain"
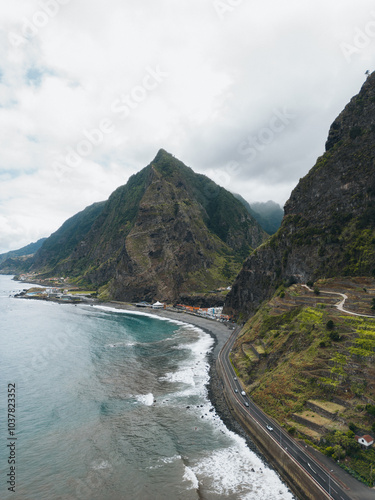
[[311, 367], [61, 243], [167, 232], [268, 214], [329, 224], [27, 250]]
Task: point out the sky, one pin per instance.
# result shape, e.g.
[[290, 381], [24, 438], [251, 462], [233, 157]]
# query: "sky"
[[243, 91]]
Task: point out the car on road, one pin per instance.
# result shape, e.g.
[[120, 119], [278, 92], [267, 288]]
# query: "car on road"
[[235, 378], [243, 393], [246, 404], [235, 390], [269, 427]]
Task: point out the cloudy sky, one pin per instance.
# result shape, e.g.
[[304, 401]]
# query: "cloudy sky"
[[242, 91]]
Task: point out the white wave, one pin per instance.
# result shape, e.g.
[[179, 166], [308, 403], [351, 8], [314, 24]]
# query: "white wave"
[[138, 313], [101, 465], [190, 476], [169, 460], [230, 470], [185, 376], [237, 469], [146, 399], [121, 344]]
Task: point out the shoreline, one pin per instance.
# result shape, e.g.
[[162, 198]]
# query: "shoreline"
[[220, 332]]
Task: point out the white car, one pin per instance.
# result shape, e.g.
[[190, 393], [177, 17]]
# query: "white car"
[[235, 390], [246, 404], [243, 393], [269, 427]]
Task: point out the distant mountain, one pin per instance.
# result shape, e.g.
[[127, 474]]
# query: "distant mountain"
[[268, 214], [329, 224], [27, 250], [167, 232], [62, 243]]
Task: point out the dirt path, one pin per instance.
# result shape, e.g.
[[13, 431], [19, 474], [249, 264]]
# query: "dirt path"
[[340, 305]]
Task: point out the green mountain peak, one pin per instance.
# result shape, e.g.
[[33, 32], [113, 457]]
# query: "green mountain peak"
[[168, 231]]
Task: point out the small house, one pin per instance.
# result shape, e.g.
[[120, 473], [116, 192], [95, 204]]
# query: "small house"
[[365, 441]]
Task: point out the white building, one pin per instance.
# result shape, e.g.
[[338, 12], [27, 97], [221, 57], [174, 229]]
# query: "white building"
[[365, 441]]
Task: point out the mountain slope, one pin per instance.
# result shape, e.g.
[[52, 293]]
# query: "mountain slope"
[[329, 223], [310, 366], [167, 231], [21, 252], [61, 243]]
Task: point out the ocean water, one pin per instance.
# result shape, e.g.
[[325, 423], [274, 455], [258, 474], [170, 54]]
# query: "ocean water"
[[113, 406]]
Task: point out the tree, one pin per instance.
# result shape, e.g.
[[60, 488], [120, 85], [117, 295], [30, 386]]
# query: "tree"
[[338, 452]]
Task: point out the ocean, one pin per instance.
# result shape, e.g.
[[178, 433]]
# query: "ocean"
[[113, 405]]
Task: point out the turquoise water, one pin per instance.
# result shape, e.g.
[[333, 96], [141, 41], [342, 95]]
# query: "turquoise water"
[[102, 412]]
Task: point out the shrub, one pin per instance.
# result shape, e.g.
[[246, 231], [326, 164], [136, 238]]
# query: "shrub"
[[338, 452], [330, 325], [334, 336], [329, 451], [352, 426], [370, 409]]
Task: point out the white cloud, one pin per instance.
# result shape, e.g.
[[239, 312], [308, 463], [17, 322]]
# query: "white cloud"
[[63, 66]]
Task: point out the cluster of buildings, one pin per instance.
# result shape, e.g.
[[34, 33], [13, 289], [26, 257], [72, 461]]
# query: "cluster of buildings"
[[215, 313], [207, 312]]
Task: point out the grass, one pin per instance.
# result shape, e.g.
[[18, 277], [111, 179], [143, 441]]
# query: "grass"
[[329, 406]]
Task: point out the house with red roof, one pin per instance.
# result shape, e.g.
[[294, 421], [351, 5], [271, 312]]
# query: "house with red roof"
[[365, 441]]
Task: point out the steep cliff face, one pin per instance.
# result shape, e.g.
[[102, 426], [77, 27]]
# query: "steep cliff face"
[[329, 223], [168, 231]]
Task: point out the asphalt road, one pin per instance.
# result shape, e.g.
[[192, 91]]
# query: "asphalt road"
[[293, 450]]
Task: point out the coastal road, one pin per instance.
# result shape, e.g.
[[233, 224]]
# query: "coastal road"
[[290, 447]]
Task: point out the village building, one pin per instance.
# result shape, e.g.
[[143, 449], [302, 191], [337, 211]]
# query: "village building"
[[365, 441]]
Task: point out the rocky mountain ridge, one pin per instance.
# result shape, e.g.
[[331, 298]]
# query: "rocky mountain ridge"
[[167, 232], [329, 224]]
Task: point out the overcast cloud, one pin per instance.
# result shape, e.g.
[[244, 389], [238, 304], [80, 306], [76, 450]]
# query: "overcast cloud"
[[242, 91]]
